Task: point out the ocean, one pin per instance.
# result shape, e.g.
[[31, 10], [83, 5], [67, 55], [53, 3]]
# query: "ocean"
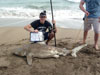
[[29, 9]]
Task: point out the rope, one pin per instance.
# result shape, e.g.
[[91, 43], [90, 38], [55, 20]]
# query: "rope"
[[77, 37]]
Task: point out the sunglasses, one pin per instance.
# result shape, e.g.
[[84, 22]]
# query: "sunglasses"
[[42, 16]]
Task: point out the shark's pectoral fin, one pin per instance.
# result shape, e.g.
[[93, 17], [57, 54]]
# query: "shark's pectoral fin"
[[29, 59]]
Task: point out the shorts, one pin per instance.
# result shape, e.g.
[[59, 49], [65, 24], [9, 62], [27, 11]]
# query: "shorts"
[[89, 22], [46, 35]]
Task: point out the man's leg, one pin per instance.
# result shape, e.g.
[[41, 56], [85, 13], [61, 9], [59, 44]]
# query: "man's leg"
[[85, 36], [96, 26], [87, 27], [50, 37], [96, 37]]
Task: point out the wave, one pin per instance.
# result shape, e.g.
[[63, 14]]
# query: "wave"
[[18, 12], [30, 13], [77, 1]]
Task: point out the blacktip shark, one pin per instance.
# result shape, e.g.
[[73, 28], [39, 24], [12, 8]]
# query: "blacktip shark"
[[31, 51]]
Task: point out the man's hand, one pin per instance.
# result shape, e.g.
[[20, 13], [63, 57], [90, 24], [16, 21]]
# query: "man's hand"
[[54, 29], [53, 21], [87, 13], [36, 31]]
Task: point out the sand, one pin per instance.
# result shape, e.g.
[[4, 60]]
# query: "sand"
[[87, 62]]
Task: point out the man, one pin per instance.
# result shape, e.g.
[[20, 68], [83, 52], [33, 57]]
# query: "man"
[[42, 25], [92, 18]]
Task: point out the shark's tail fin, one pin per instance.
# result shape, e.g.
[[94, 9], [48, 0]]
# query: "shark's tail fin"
[[76, 49]]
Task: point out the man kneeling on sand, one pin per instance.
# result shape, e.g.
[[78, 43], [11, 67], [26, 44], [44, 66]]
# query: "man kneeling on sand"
[[42, 25]]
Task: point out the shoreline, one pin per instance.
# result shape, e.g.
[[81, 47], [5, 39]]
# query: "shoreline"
[[63, 23]]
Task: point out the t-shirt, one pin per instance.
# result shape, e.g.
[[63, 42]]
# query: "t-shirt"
[[93, 7], [41, 27]]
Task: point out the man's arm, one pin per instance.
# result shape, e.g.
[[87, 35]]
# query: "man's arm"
[[82, 7], [28, 28]]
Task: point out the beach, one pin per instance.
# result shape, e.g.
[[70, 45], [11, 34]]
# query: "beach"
[[15, 14], [11, 38]]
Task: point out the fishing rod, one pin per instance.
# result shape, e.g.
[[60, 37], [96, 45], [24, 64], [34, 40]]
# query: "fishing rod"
[[53, 23]]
